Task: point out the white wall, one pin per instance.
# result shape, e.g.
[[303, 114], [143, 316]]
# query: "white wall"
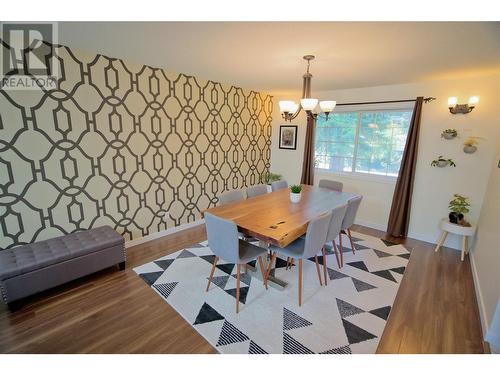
[[486, 251], [434, 187]]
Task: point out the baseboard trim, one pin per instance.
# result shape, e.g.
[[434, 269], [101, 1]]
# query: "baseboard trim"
[[479, 295], [369, 224], [163, 233]]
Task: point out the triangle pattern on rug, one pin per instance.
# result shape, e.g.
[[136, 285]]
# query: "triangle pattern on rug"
[[292, 346], [381, 254], [164, 264], [255, 349], [381, 312], [185, 254], [405, 256], [209, 258], [280, 263], [333, 275], [165, 289], [346, 309], [150, 277], [359, 265], [388, 243], [385, 274], [207, 314], [291, 320], [361, 286], [356, 334], [243, 293], [230, 335], [361, 247], [244, 278], [227, 268], [197, 246], [400, 270], [340, 350], [220, 281], [252, 263]]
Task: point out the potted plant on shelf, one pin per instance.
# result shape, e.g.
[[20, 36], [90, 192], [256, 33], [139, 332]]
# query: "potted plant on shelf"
[[449, 133], [470, 145], [458, 206], [295, 193], [441, 162]]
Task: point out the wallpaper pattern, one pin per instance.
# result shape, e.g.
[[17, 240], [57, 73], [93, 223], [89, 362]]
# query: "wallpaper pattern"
[[121, 144]]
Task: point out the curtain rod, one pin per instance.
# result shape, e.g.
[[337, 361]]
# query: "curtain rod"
[[426, 100]]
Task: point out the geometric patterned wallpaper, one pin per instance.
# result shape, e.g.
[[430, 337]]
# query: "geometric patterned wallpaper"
[[122, 144]]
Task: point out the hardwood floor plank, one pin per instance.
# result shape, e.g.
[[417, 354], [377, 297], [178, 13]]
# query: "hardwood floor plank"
[[116, 312]]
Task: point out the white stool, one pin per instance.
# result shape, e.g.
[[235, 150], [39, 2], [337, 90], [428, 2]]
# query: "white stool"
[[447, 227]]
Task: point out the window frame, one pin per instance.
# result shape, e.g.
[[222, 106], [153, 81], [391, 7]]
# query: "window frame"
[[363, 175]]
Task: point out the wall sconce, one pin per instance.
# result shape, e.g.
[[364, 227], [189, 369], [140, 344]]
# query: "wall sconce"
[[462, 108]]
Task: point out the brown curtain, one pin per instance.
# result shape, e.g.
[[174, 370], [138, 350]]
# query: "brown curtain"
[[308, 163], [401, 201]]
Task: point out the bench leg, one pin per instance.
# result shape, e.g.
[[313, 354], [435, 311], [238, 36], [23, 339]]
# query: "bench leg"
[[464, 248], [122, 266], [15, 305]]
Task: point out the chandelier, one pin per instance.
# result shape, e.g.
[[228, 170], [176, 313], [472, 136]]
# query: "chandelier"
[[289, 109]]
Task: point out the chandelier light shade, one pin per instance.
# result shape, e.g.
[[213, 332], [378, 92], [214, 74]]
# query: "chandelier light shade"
[[289, 109]]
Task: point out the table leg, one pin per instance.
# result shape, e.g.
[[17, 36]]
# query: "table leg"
[[464, 248], [442, 238], [272, 281]]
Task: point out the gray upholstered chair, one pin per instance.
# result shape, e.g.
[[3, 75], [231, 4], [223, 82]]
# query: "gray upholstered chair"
[[255, 190], [350, 216], [277, 185], [231, 196], [330, 184], [303, 248], [224, 242], [338, 214]]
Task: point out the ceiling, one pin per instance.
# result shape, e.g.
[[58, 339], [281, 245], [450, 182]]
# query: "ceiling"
[[268, 55]]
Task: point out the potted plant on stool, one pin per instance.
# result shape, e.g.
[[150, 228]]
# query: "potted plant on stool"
[[295, 193], [458, 206]]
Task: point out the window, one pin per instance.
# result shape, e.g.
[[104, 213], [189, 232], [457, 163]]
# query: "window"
[[369, 142]]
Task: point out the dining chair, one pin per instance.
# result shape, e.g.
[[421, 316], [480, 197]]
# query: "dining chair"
[[231, 196], [330, 184], [277, 185], [255, 190], [338, 214], [350, 216], [305, 247], [224, 242]]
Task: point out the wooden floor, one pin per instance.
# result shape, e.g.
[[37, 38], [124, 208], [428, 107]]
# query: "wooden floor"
[[116, 312]]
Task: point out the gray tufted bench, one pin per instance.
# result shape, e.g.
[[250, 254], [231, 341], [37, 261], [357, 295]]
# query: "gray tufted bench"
[[32, 268]]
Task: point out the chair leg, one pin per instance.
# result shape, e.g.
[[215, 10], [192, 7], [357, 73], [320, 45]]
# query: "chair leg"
[[270, 265], [341, 248], [212, 273], [336, 253], [317, 270], [287, 263], [350, 239], [238, 267], [262, 271], [323, 250], [300, 282]]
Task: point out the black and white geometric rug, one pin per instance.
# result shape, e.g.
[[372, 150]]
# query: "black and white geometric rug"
[[347, 316]]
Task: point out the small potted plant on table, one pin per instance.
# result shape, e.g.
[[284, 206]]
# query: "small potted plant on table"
[[459, 206], [295, 193]]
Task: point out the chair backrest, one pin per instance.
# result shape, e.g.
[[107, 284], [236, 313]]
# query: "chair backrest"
[[222, 237], [352, 209], [316, 235], [330, 184], [338, 214], [255, 190], [231, 196], [277, 185]]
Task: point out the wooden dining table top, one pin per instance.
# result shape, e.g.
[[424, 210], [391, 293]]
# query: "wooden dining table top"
[[273, 218]]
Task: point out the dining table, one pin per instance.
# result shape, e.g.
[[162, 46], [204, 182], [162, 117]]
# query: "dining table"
[[273, 219]]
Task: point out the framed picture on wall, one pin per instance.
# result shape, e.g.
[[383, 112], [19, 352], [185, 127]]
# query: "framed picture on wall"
[[288, 137]]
